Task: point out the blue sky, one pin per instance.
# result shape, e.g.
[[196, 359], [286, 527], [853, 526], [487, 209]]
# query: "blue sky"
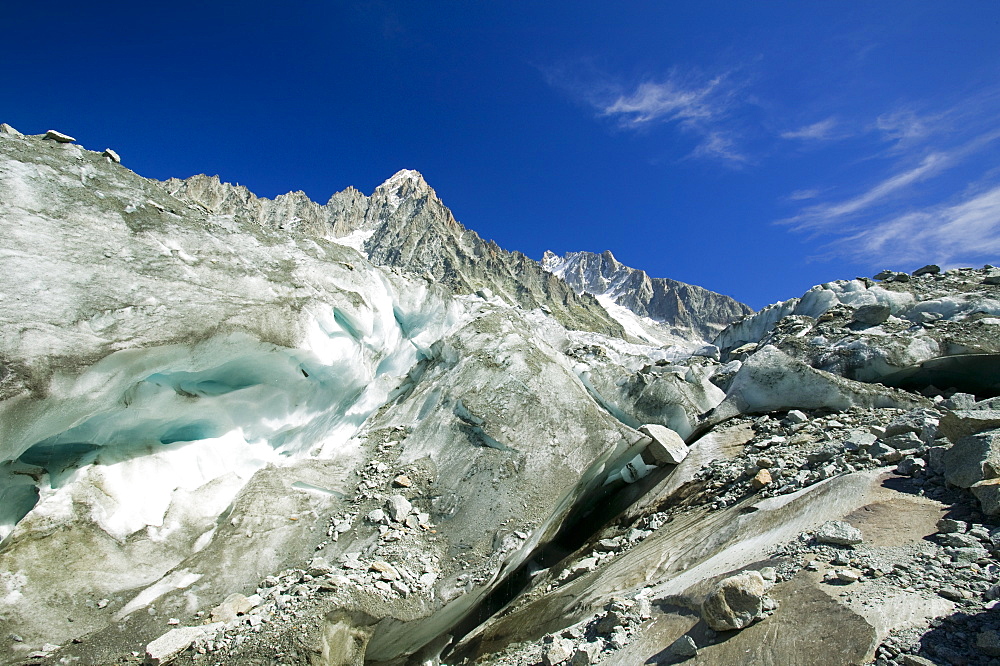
[[752, 148]]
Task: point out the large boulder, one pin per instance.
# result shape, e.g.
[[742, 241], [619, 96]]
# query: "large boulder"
[[873, 314], [771, 380], [960, 423], [667, 447], [973, 459], [838, 533], [735, 602], [53, 135], [167, 647], [988, 494]]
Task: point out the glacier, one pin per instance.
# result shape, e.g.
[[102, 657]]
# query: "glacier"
[[246, 430]]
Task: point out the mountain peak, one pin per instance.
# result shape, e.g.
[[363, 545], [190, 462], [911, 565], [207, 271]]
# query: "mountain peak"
[[403, 178], [682, 308]]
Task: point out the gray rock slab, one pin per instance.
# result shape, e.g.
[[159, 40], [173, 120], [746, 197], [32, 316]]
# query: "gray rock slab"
[[559, 652], [961, 423], [872, 315], [973, 459], [735, 602], [167, 647], [684, 647], [667, 446], [838, 533], [988, 494], [398, 507], [53, 135]]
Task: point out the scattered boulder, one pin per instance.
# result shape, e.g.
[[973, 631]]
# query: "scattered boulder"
[[735, 602], [586, 654], [166, 648], [960, 423], [399, 507], [319, 566], [59, 137], [796, 416], [848, 576], [838, 533], [916, 660], [951, 526], [234, 606], [708, 351], [988, 494], [385, 570], [761, 479], [929, 269], [872, 315], [684, 647], [559, 652], [911, 466], [973, 459], [667, 447], [112, 155], [988, 643]]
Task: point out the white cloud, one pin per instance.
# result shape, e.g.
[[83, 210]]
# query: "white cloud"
[[833, 216], [818, 131], [963, 232], [717, 144], [698, 107], [904, 126], [802, 195], [665, 101], [827, 214]]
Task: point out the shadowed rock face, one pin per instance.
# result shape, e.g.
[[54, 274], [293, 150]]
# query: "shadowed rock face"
[[681, 308]]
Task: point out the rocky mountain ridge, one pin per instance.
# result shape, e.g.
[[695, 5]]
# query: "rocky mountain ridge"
[[405, 225], [229, 437], [681, 310]]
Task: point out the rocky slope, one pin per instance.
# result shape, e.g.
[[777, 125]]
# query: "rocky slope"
[[404, 224], [677, 309], [243, 431]]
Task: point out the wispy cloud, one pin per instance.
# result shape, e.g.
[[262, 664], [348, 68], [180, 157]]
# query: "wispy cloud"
[[910, 170], [823, 215], [696, 106], [905, 126], [921, 209], [963, 232], [719, 145], [663, 102], [802, 195], [818, 131]]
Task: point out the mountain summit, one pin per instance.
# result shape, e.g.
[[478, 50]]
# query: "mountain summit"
[[677, 309]]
